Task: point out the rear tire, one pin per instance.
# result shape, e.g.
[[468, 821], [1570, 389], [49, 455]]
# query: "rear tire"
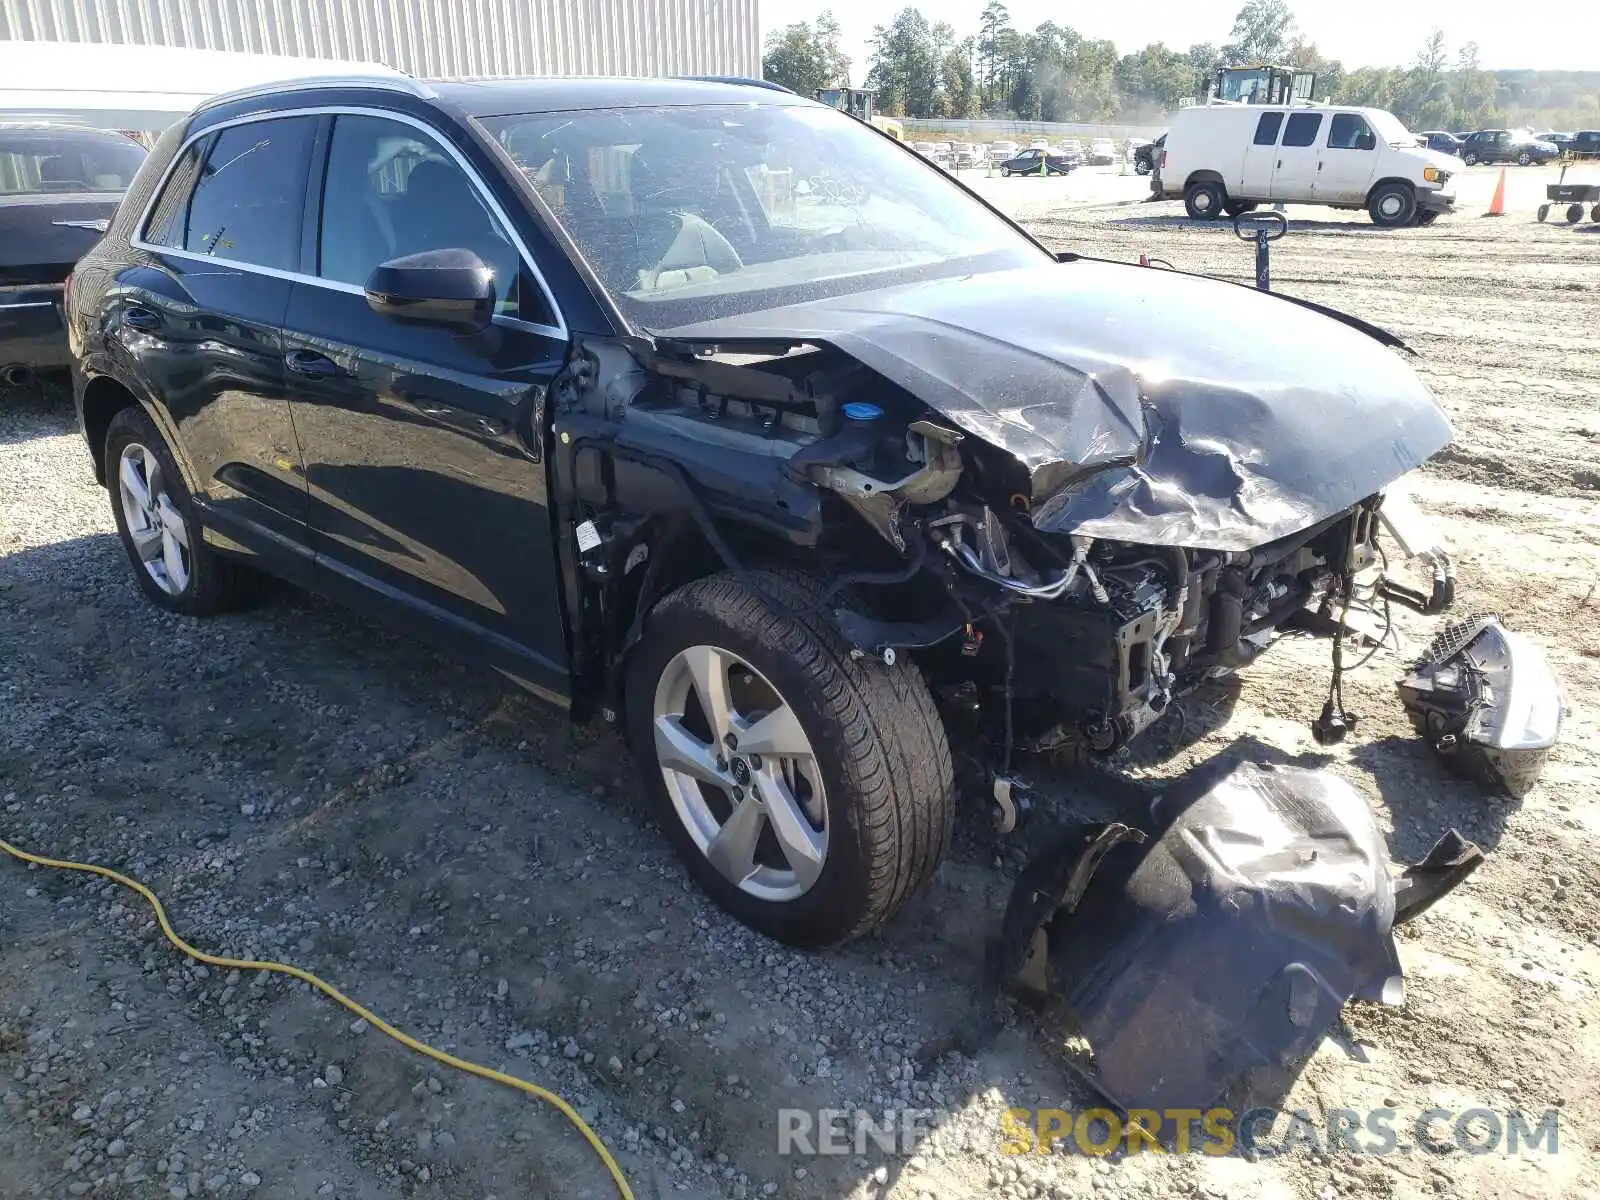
[[1427, 216], [1203, 201], [1142, 168], [1594, 214], [1574, 214], [1391, 205], [156, 520], [875, 781], [1470, 158], [1544, 212], [1524, 159], [1236, 208]]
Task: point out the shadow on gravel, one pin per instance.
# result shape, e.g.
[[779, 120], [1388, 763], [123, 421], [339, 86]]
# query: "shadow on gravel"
[[47, 401], [1425, 799]]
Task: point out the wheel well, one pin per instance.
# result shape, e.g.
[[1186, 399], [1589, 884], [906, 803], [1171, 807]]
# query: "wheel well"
[[1405, 183], [103, 399], [1204, 177]]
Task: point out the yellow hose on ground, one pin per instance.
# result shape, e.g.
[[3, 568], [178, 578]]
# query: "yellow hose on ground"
[[333, 993]]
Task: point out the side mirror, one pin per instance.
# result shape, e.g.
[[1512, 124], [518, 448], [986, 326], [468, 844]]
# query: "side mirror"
[[1367, 141], [437, 287]]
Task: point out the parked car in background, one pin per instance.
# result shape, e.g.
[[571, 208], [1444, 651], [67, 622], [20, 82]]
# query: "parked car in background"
[[1146, 153], [59, 186], [964, 155], [1561, 141], [1585, 144], [1035, 161], [1506, 146], [1438, 139], [1102, 152], [1002, 150]]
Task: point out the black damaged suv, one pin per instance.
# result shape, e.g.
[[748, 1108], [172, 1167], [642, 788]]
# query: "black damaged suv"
[[706, 409]]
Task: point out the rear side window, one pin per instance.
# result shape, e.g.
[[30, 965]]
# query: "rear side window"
[[1302, 129], [44, 161], [1267, 128], [171, 212], [247, 203]]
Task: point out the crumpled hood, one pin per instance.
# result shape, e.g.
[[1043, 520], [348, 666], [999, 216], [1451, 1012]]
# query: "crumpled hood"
[[1146, 405]]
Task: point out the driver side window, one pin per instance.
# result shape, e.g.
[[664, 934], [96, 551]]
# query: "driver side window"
[[391, 191]]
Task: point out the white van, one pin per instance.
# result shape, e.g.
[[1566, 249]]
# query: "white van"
[[1227, 158]]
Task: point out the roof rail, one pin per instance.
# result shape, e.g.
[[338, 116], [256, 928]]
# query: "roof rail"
[[742, 80], [398, 82]]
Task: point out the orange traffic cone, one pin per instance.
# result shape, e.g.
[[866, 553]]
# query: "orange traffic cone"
[[1497, 206]]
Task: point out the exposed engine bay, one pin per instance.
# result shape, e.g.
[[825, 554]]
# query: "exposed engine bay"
[[931, 535]]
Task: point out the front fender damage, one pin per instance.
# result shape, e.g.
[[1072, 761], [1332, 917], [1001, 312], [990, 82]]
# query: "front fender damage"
[[1225, 941]]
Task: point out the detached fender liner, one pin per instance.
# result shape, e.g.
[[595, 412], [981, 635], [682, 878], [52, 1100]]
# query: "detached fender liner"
[[1231, 937]]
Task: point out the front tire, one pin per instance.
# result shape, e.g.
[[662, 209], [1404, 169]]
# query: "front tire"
[[1524, 159], [1470, 158], [1235, 208], [809, 793], [1203, 201], [1142, 168], [1543, 212], [155, 517], [1391, 205], [1574, 214]]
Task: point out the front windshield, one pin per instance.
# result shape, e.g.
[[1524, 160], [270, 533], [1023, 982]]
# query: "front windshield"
[[689, 213]]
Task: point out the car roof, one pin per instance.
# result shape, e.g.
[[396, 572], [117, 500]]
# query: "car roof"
[[503, 97]]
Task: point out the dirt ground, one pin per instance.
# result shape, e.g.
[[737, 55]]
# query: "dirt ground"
[[301, 784]]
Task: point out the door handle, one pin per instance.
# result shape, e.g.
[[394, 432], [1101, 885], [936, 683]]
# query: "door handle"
[[141, 318], [310, 364]]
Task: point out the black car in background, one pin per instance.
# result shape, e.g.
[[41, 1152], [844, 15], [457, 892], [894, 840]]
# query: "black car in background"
[[1145, 155], [1506, 146], [1438, 139], [1585, 144], [1040, 162], [573, 377], [59, 186]]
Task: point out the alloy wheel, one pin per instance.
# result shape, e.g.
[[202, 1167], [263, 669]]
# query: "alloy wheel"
[[741, 773], [160, 536]]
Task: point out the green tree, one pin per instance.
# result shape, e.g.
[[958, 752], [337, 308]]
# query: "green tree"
[[1154, 79], [804, 57], [1262, 33], [959, 87], [906, 66], [994, 23], [1431, 59]]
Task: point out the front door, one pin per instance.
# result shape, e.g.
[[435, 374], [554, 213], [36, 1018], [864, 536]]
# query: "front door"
[[1294, 175], [424, 445], [1261, 157], [202, 322], [1350, 161]]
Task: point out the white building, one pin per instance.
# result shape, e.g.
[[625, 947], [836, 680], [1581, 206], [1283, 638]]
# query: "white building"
[[430, 38]]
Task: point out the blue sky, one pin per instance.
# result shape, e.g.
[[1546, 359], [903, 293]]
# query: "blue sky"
[[1530, 33]]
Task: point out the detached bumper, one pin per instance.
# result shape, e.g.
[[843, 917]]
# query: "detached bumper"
[[32, 331]]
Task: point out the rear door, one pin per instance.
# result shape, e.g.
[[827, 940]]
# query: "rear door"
[[424, 445], [1294, 174], [201, 322], [1349, 162], [1261, 157]]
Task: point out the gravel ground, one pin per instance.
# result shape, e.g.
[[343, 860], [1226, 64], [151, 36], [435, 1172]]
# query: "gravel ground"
[[300, 784]]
